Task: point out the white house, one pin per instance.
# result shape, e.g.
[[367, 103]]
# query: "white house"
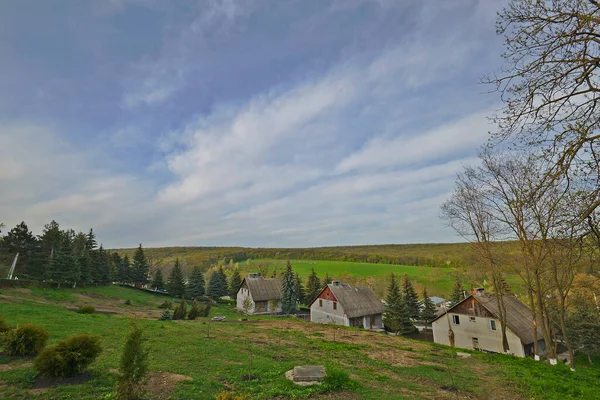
[[474, 323], [258, 295], [341, 304]]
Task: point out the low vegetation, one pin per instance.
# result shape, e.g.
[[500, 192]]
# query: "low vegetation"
[[25, 340], [69, 357], [86, 310], [214, 358]]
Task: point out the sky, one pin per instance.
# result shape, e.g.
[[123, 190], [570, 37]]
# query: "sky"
[[259, 123]]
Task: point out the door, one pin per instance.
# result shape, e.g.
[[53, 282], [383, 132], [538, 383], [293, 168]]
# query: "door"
[[371, 321]]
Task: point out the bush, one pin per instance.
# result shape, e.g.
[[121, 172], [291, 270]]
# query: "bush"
[[25, 340], [205, 311], [4, 327], [166, 316], [181, 310], [133, 366], [194, 311], [69, 357], [337, 380], [86, 310], [127, 302], [167, 305]]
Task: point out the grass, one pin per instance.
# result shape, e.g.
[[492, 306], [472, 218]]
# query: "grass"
[[379, 366]]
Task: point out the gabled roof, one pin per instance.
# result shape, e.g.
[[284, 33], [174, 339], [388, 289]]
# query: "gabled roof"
[[437, 300], [519, 318], [356, 302], [263, 289]]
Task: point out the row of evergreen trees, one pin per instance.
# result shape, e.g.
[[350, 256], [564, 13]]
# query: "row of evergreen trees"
[[404, 307]]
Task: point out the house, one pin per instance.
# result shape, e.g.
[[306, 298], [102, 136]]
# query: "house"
[[258, 295], [341, 304], [474, 323]]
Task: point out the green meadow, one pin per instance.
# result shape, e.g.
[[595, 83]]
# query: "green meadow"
[[248, 356]]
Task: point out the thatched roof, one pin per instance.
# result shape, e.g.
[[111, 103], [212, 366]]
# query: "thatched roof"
[[263, 289], [356, 302], [519, 318]]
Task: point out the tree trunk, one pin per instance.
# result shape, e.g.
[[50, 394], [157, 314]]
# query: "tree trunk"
[[551, 354]]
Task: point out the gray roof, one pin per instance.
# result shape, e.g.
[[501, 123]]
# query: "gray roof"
[[436, 300], [519, 318], [357, 302], [263, 289]]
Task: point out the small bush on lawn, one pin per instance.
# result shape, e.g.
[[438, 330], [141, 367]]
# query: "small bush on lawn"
[[166, 305], [25, 340], [337, 380], [133, 366], [69, 357], [204, 311], [194, 311], [181, 310], [86, 310], [127, 302], [166, 316], [4, 327]]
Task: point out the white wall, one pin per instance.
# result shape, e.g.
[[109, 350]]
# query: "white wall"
[[378, 323], [242, 295], [326, 314], [466, 330]]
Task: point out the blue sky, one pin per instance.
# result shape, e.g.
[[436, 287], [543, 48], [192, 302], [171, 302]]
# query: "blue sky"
[[254, 123]]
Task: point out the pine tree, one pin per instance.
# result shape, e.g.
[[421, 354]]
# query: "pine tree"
[[301, 289], [457, 292], [194, 311], [396, 317], [223, 287], [181, 310], [313, 286], [196, 284], [91, 241], [327, 279], [123, 272], [20, 240], [428, 308], [289, 296], [115, 262], [140, 266], [63, 266], [176, 283], [411, 300], [103, 266], [133, 366], [214, 286], [158, 282], [235, 281]]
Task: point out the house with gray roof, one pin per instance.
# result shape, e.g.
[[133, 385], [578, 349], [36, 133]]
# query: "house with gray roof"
[[342, 304], [474, 323], [258, 295]]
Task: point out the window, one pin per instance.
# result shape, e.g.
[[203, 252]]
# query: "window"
[[320, 303], [472, 319], [455, 320], [492, 324], [335, 305]]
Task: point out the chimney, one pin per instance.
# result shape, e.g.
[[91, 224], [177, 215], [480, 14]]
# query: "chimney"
[[336, 283], [253, 275], [478, 291]]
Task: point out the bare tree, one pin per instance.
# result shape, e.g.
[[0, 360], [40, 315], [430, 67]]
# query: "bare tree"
[[551, 85]]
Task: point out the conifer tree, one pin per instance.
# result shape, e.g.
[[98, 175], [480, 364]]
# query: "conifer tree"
[[458, 292], [176, 283], [133, 366], [223, 287], [181, 310], [235, 281], [103, 266], [326, 280], [158, 282], [115, 262], [428, 308], [214, 289], [396, 317], [301, 289], [123, 273], [289, 296], [196, 284], [411, 300], [313, 286], [140, 266], [63, 266], [194, 311]]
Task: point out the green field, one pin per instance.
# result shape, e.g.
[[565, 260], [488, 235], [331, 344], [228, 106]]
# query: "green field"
[[380, 366]]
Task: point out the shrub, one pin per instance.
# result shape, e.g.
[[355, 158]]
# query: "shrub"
[[205, 311], [194, 311], [336, 380], [86, 310], [133, 366], [166, 316], [69, 357], [4, 327], [167, 305], [127, 302], [181, 310], [25, 340]]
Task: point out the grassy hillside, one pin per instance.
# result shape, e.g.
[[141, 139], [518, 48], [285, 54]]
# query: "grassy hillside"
[[186, 364]]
